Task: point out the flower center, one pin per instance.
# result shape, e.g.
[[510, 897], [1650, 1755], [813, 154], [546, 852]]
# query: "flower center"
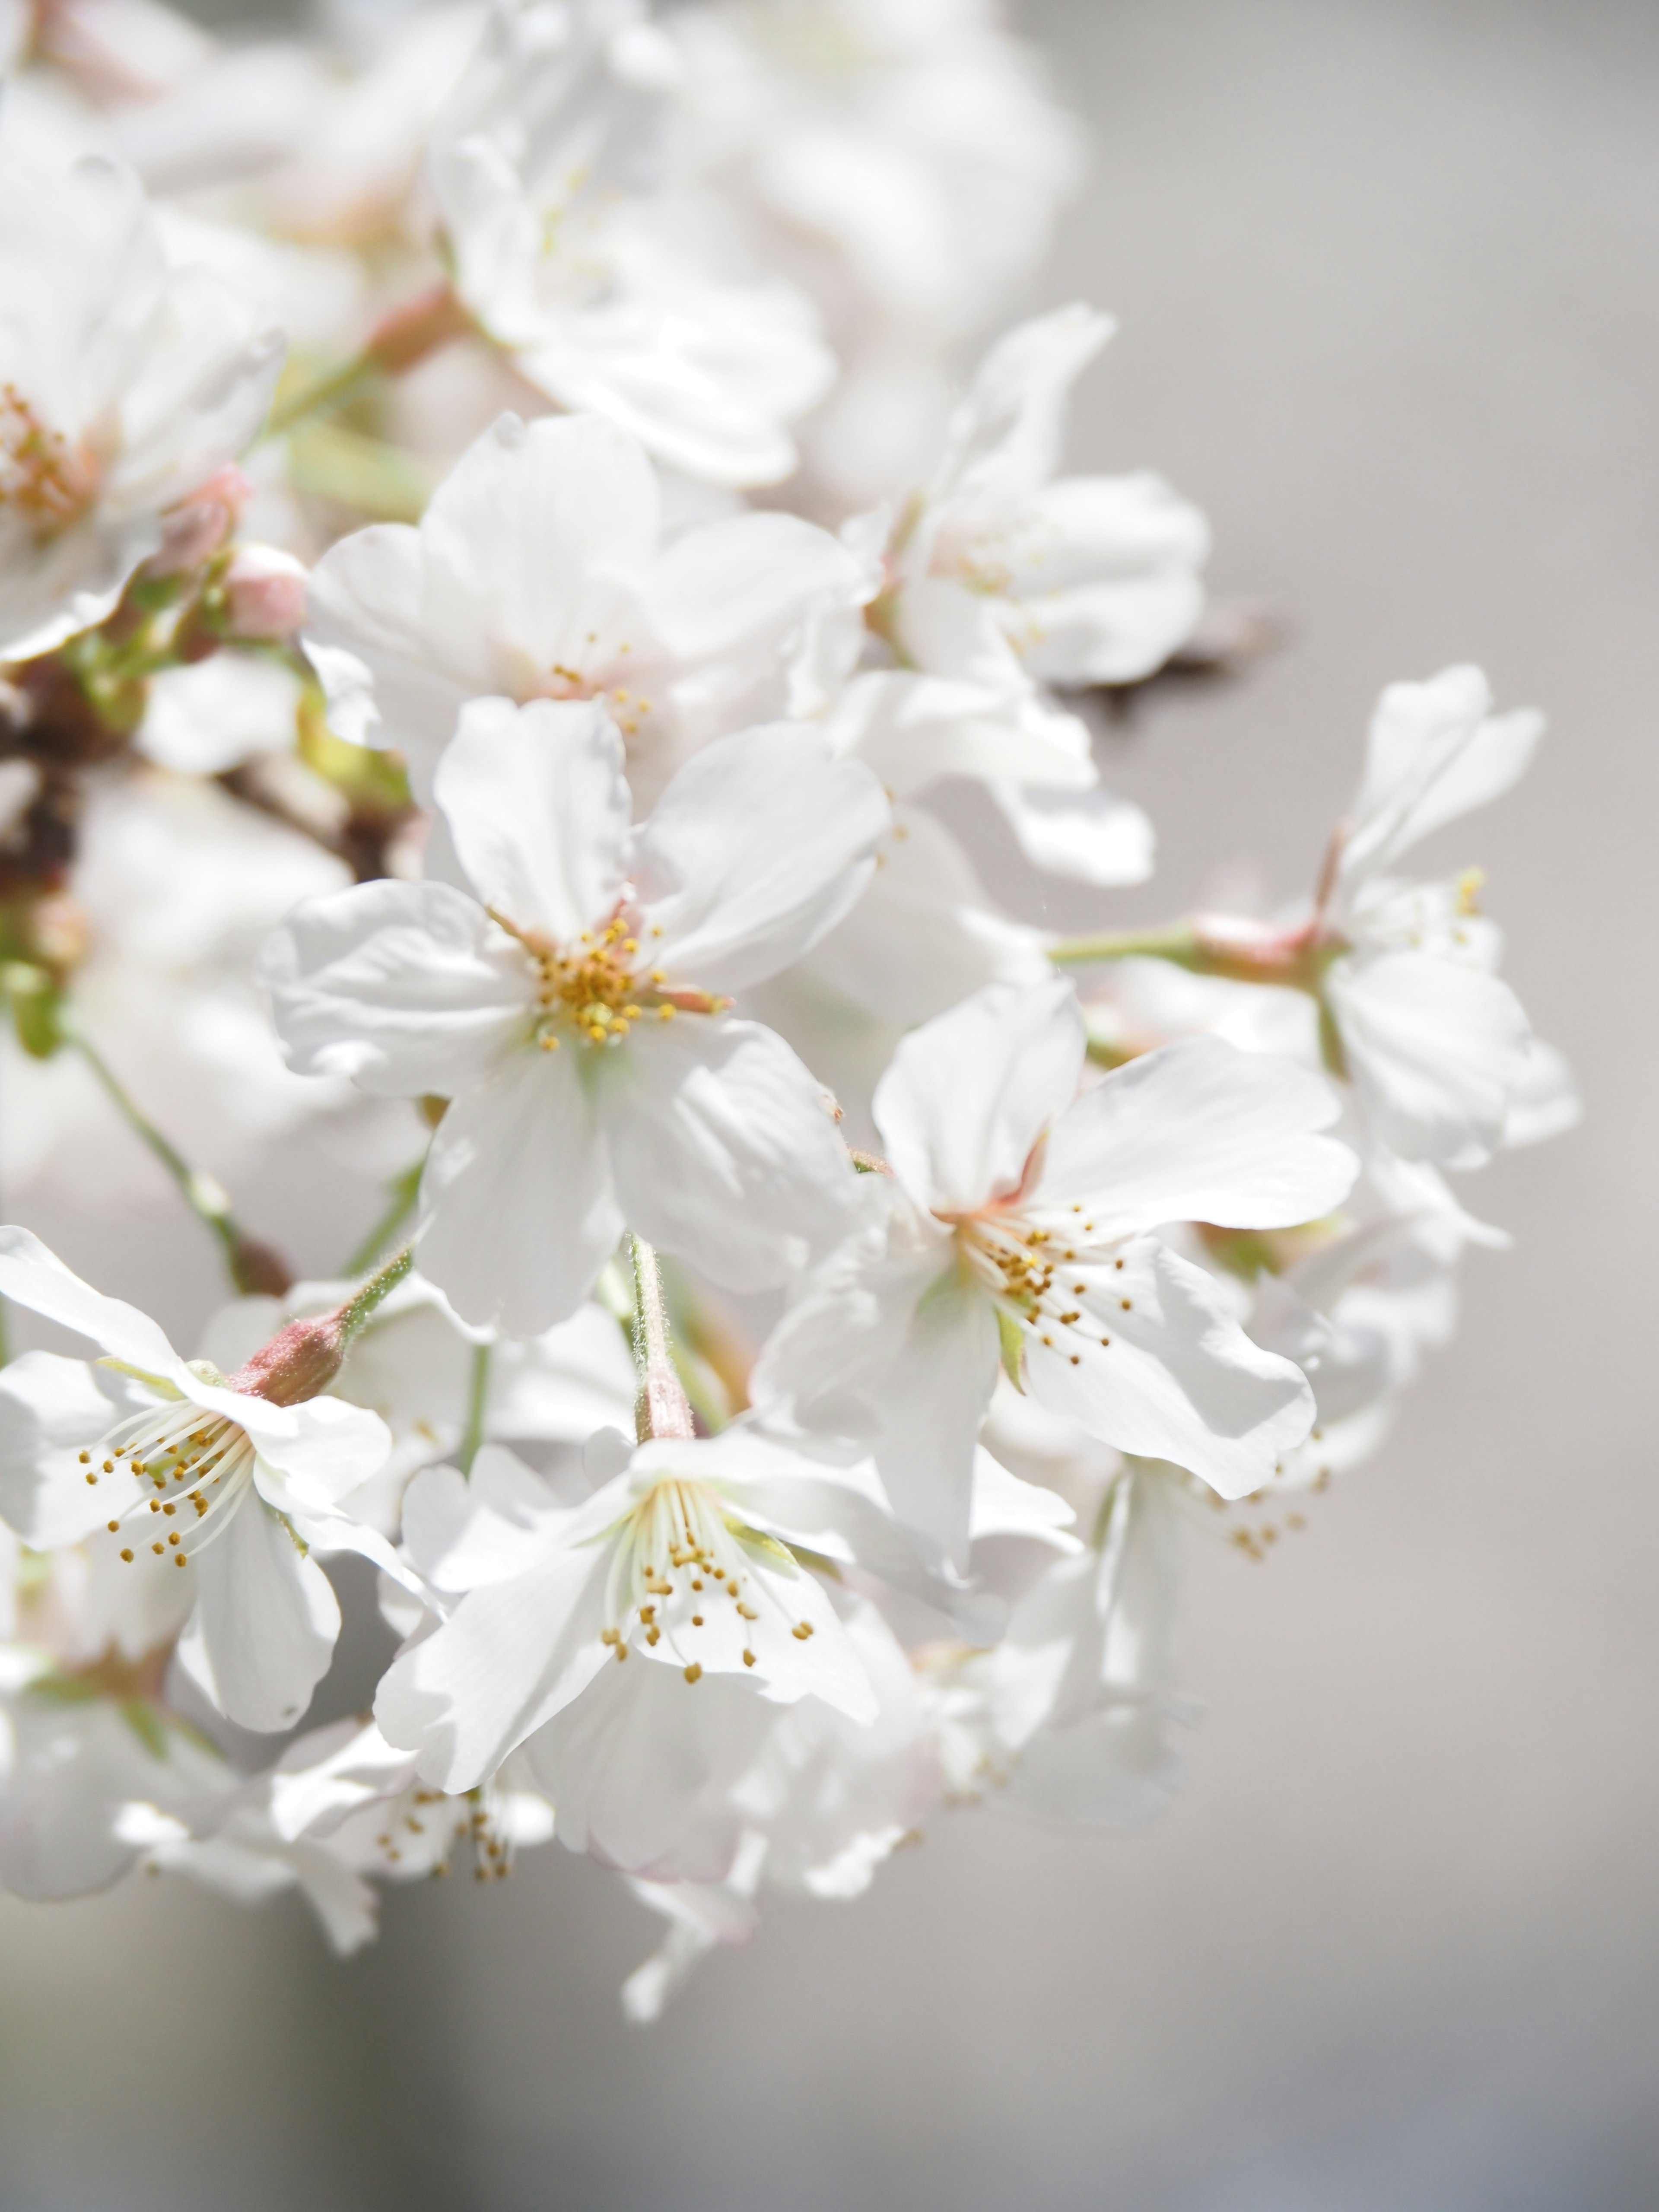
[[191, 1468], [39, 476], [591, 986], [1027, 1273], [679, 1560]]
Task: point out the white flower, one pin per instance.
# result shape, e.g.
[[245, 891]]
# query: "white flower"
[[87, 1759], [1013, 1210], [1437, 1046], [635, 1645], [570, 1011], [1070, 1716], [899, 159], [1090, 580], [545, 162], [1003, 578], [202, 1474], [540, 569], [123, 385]]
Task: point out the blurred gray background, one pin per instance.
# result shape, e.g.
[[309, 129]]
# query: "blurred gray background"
[[1386, 270]]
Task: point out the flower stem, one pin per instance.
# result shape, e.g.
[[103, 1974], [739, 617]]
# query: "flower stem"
[[379, 1287], [253, 1267], [477, 1399], [401, 339], [404, 1189], [1180, 943], [660, 1406]]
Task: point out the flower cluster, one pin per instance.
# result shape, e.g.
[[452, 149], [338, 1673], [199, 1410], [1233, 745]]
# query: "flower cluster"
[[799, 1312]]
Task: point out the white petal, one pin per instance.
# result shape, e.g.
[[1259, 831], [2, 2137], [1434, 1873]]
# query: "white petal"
[[516, 1201], [912, 729], [50, 1409], [406, 988], [31, 1276], [1435, 751], [367, 636], [643, 1768], [533, 538], [1088, 835], [537, 807], [969, 1095], [760, 844], [1197, 1131], [1435, 1050], [510, 1655], [263, 1633], [1178, 1379], [1005, 439], [723, 1149], [332, 1448]]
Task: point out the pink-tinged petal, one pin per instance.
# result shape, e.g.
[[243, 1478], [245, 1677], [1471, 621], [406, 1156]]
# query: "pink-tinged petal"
[[34, 1277], [759, 845], [969, 1094], [538, 806], [406, 988], [517, 1205], [1156, 1364], [1197, 1131], [723, 1148], [52, 1410], [263, 1633]]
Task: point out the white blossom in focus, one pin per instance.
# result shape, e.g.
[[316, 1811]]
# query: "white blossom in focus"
[[1018, 1219], [202, 1478], [574, 1010], [542, 570]]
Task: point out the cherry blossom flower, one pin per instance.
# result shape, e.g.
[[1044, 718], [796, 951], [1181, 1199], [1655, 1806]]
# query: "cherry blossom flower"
[[1019, 1212], [541, 569], [545, 161], [124, 384], [572, 1011], [634, 1644], [207, 1474]]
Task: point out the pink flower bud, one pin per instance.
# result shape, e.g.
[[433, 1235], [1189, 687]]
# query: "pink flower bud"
[[264, 593], [195, 529], [298, 1361]]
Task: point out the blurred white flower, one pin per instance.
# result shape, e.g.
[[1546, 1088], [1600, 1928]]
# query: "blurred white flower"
[[547, 163], [124, 384]]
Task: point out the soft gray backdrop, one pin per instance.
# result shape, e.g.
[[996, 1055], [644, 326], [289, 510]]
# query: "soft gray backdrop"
[[1386, 273]]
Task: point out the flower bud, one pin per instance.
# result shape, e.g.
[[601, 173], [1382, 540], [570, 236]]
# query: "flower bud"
[[264, 592], [299, 1363], [195, 529]]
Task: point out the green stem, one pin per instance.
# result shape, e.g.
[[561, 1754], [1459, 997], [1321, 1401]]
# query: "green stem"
[[660, 1406], [477, 1399], [373, 1293], [249, 1265], [404, 1189], [1180, 943]]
